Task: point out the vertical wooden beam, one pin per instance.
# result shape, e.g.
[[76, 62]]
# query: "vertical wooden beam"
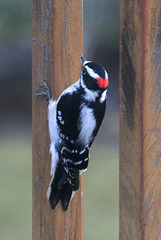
[[57, 44], [140, 120]]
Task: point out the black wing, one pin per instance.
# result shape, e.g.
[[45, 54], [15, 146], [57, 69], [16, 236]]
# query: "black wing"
[[68, 110], [74, 156]]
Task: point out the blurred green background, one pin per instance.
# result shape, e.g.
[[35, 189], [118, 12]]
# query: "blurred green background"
[[101, 181]]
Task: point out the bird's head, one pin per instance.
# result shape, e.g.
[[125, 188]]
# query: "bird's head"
[[94, 76]]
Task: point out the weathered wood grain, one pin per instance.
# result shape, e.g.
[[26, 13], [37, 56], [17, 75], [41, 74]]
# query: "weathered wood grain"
[[57, 43], [140, 120]]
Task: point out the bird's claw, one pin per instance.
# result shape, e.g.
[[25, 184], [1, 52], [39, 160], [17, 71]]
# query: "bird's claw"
[[46, 92]]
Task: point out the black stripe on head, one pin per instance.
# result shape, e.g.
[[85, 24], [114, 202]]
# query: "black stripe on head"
[[97, 68], [90, 82]]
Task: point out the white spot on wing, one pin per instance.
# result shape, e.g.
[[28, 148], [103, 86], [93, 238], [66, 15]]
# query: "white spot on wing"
[[77, 163], [60, 118], [81, 152], [65, 148], [69, 160]]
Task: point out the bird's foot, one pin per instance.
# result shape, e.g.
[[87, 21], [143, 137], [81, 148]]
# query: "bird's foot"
[[46, 92]]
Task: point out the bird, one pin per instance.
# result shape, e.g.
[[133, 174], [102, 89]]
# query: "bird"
[[74, 120]]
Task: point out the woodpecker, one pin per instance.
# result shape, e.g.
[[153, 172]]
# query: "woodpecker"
[[74, 120]]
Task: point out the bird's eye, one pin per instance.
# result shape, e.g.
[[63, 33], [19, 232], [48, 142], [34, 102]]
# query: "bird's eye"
[[84, 71]]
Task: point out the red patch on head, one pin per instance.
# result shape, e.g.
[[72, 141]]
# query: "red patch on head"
[[102, 83]]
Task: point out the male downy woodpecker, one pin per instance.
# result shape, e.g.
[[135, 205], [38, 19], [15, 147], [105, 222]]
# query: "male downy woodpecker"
[[74, 120]]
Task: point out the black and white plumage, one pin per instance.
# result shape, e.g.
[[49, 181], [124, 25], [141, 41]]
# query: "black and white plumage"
[[74, 120]]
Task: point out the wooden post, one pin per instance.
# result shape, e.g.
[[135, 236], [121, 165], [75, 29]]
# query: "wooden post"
[[57, 44], [140, 120]]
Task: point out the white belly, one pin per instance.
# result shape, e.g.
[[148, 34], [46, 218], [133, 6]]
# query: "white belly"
[[87, 124]]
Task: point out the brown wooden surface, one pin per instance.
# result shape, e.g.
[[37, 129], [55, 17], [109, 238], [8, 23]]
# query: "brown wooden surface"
[[57, 44], [140, 120]]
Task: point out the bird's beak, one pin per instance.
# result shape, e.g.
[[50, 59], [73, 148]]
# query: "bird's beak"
[[83, 60]]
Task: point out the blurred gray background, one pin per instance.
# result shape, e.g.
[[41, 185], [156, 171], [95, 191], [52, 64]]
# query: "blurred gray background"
[[101, 181]]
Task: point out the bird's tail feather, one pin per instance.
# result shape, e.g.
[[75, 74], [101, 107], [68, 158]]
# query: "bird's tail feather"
[[59, 189], [66, 196]]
